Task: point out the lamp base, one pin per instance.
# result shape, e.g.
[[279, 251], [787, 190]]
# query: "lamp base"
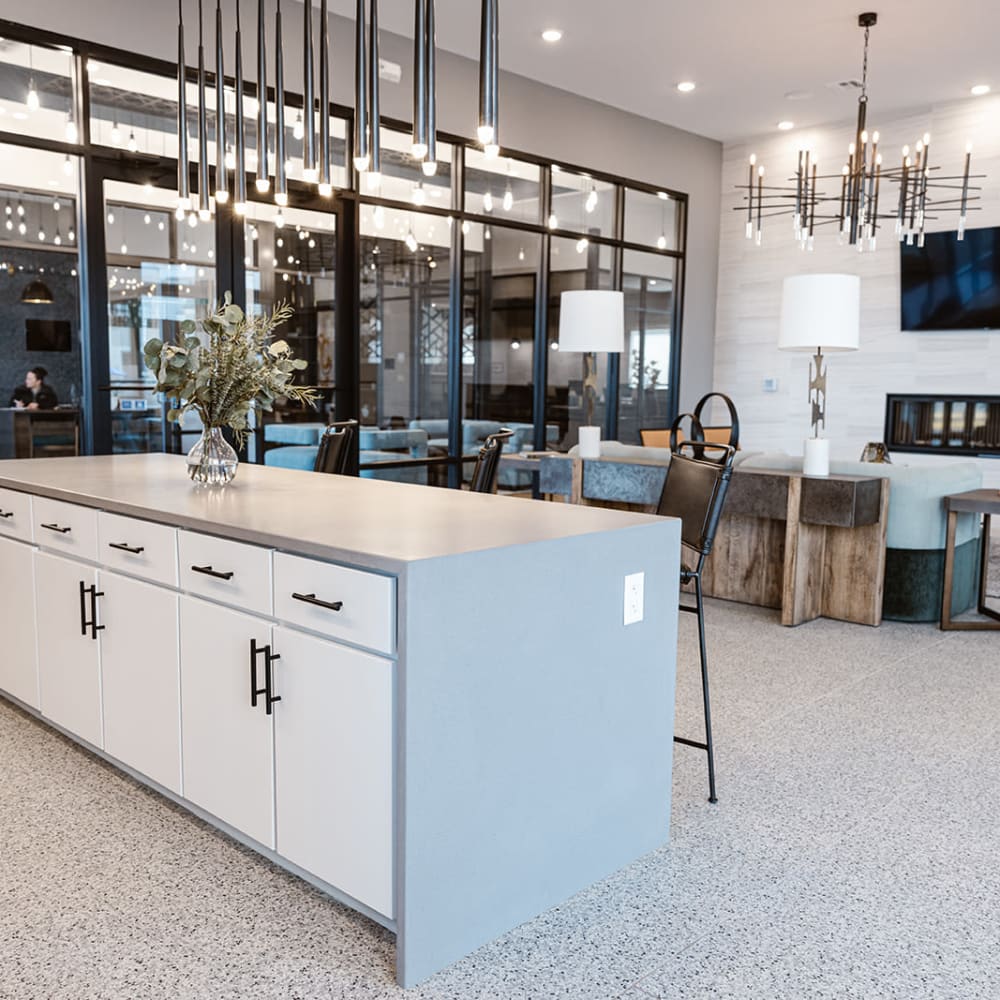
[[590, 442], [816, 459]]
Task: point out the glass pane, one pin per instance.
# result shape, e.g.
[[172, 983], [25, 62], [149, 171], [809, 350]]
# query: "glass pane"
[[644, 390], [652, 219], [575, 264], [39, 284], [37, 85], [404, 338], [498, 323], [294, 262], [506, 187], [402, 177], [582, 204], [138, 110], [161, 272]]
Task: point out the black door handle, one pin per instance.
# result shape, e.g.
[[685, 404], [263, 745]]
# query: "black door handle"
[[6, 513], [55, 527], [208, 571], [126, 548], [268, 688], [83, 608], [92, 624], [313, 599]]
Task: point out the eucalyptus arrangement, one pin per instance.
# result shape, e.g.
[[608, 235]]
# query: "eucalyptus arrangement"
[[233, 366]]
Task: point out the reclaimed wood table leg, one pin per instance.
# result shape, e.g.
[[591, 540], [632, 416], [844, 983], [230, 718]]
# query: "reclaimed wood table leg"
[[802, 581]]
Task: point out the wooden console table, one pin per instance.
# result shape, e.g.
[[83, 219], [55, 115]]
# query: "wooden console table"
[[986, 503], [811, 546]]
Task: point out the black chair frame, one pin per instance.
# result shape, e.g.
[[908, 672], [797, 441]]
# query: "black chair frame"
[[484, 476], [334, 452]]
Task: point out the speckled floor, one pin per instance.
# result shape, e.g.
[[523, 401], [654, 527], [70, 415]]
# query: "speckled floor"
[[853, 853]]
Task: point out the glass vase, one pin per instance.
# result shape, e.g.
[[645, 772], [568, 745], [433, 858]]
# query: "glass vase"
[[212, 461]]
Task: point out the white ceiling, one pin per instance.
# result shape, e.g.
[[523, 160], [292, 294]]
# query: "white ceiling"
[[744, 56]]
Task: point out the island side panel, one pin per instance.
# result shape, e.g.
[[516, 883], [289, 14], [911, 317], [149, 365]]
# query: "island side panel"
[[536, 732]]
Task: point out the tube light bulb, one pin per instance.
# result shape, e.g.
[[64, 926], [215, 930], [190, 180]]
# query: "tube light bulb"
[[429, 167], [488, 202], [485, 134]]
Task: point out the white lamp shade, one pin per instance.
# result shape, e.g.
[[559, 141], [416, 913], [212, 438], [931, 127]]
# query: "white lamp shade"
[[592, 320], [820, 310]]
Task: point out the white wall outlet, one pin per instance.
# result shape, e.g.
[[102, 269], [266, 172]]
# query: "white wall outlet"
[[634, 584], [770, 384]]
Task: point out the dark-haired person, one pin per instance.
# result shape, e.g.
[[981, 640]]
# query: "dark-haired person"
[[34, 394]]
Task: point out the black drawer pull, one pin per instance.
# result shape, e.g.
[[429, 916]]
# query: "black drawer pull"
[[313, 599], [268, 689], [135, 550], [55, 527], [6, 513], [208, 571]]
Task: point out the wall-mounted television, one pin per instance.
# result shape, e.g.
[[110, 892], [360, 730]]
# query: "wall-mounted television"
[[952, 284], [48, 335]]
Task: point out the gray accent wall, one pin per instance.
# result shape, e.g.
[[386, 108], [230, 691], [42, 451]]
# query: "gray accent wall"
[[534, 119]]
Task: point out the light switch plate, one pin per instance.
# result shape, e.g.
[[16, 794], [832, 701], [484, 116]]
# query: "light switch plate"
[[634, 585]]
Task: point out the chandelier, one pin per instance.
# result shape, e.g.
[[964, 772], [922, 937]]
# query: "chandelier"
[[857, 209]]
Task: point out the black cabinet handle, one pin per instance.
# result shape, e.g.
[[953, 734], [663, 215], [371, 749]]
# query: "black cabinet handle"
[[313, 599], [92, 624], [268, 688], [208, 571], [6, 513], [126, 548], [55, 527], [83, 608]]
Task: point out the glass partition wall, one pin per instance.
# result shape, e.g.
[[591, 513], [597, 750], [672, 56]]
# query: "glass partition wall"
[[427, 308]]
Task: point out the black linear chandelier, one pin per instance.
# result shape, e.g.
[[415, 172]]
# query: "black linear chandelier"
[[857, 211], [230, 165]]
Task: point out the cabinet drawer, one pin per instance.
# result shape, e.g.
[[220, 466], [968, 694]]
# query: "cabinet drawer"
[[307, 592], [15, 515], [226, 571], [140, 548], [65, 527]]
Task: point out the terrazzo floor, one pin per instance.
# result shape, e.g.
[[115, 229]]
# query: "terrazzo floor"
[[853, 853]]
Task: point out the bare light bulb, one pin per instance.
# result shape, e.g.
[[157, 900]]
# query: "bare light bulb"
[[116, 134], [147, 219], [41, 235], [32, 100], [553, 221], [111, 218], [298, 129], [72, 132], [520, 254], [132, 144], [661, 242], [67, 166], [22, 228], [279, 221], [591, 202], [508, 199], [411, 242], [419, 195], [487, 202], [230, 159], [193, 220], [378, 217], [582, 244], [71, 235]]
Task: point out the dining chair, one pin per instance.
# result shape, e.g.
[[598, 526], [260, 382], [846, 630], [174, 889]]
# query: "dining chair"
[[694, 491], [484, 476], [334, 451]]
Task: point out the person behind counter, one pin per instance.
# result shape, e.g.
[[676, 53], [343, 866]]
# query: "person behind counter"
[[34, 394]]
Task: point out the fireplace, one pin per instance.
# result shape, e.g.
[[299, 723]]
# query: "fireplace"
[[943, 425]]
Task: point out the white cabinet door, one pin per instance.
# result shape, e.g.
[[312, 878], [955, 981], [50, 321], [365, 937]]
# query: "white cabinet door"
[[69, 675], [228, 745], [140, 677], [19, 660], [333, 762]]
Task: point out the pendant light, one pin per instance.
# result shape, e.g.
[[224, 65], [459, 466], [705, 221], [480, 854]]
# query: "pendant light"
[[362, 153], [203, 202], [183, 177], [240, 198], [309, 172], [374, 117], [280, 179], [424, 146], [325, 187], [37, 293], [263, 176], [221, 174], [488, 129]]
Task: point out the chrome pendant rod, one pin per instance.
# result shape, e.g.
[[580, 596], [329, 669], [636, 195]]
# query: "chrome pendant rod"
[[263, 182], [221, 174], [203, 202], [362, 153], [324, 99], [183, 177], [430, 165], [280, 180], [484, 131], [241, 146], [495, 70], [373, 93], [419, 146], [308, 94]]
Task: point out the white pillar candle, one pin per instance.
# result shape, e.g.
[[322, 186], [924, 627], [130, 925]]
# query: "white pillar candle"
[[817, 457], [590, 442]]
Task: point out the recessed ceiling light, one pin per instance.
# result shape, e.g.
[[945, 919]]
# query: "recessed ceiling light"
[[686, 86], [786, 125], [552, 34], [979, 89]]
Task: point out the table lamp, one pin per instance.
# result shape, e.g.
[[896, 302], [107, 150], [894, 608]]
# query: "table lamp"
[[590, 321], [819, 312]]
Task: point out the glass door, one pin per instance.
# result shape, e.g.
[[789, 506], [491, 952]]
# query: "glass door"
[[160, 271]]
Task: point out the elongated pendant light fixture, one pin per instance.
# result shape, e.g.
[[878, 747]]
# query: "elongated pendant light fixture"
[[221, 175], [280, 179], [240, 199], [419, 148], [430, 164], [362, 153], [204, 209], [374, 117], [488, 129], [183, 177], [263, 176], [325, 187], [309, 172]]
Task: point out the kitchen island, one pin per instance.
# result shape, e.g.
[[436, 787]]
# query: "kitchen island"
[[424, 702]]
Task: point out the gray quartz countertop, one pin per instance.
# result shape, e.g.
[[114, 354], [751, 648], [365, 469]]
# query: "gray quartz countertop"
[[383, 525]]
